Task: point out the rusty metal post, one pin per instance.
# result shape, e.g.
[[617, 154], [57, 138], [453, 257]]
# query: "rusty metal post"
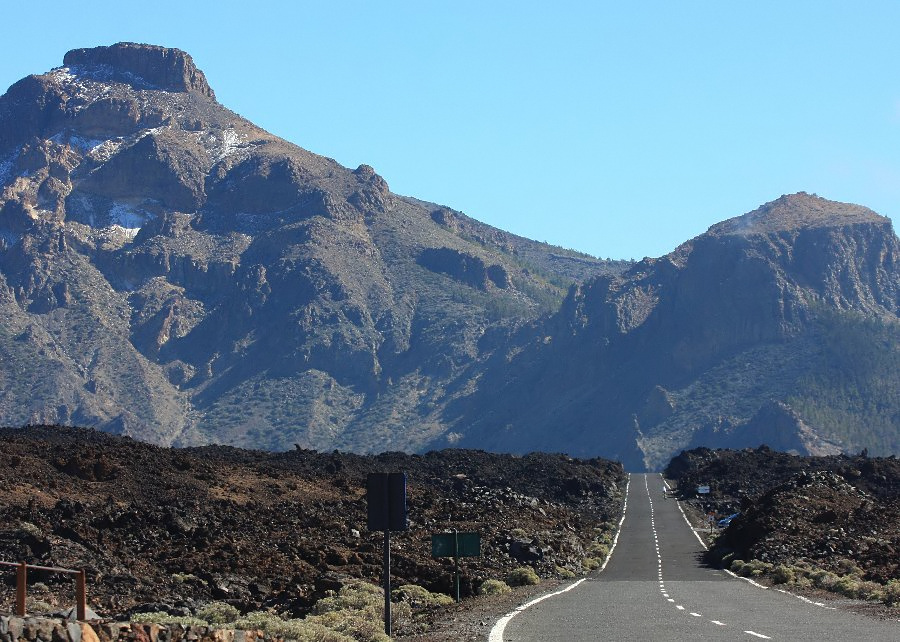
[[81, 596], [21, 583]]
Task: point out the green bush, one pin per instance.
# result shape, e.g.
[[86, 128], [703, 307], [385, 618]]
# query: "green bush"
[[753, 568], [597, 549], [564, 573], [783, 574], [158, 617], [218, 613], [824, 579], [353, 614], [847, 586], [523, 576], [300, 630], [891, 593], [493, 587], [590, 563], [849, 567], [419, 597], [870, 591]]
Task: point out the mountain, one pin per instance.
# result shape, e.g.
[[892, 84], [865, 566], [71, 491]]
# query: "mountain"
[[790, 309], [172, 272]]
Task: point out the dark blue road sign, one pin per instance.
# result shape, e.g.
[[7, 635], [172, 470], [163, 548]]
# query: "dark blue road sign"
[[386, 499]]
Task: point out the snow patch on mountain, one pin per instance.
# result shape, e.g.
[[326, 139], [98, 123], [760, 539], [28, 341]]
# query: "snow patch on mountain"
[[127, 218], [104, 150], [222, 144]]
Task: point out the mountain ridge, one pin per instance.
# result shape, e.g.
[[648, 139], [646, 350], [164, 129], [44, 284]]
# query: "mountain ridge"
[[173, 272]]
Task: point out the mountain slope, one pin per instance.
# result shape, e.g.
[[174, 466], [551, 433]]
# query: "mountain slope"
[[694, 347], [170, 271]]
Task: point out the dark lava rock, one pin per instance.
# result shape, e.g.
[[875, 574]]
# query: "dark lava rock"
[[174, 528], [821, 510]]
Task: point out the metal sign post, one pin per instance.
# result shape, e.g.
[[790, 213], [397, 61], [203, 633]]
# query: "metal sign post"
[[386, 503]]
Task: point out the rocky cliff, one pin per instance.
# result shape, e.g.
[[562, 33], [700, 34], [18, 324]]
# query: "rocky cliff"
[[692, 347]]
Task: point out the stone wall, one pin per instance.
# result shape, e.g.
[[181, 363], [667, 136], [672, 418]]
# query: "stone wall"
[[40, 629]]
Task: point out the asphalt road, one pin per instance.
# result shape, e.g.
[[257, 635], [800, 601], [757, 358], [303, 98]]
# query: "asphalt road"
[[655, 587]]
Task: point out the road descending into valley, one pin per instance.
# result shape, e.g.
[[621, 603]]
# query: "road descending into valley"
[[655, 587]]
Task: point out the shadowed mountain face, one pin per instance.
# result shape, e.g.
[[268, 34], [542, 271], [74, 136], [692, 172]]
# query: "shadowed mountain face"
[[715, 344], [170, 271]]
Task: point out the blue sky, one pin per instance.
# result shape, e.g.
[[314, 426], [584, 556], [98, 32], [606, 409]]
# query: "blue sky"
[[618, 129]]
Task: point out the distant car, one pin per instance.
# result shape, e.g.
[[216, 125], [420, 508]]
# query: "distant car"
[[725, 521]]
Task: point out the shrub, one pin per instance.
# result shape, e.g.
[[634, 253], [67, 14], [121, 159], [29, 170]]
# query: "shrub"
[[158, 617], [33, 605], [891, 593], [493, 587], [847, 586], [30, 529], [217, 613], [590, 563], [824, 579], [564, 573], [803, 582], [783, 574], [849, 567], [523, 576], [871, 591], [419, 596], [352, 614], [737, 567], [596, 549]]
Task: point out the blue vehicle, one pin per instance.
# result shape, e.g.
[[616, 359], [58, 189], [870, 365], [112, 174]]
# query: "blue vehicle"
[[725, 521]]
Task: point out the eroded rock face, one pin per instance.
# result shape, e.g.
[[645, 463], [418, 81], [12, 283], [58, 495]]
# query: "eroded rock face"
[[464, 267], [161, 67]]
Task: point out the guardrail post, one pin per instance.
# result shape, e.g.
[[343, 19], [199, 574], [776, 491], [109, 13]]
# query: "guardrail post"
[[21, 583], [81, 596]]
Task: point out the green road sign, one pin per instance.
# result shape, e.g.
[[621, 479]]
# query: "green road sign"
[[456, 545]]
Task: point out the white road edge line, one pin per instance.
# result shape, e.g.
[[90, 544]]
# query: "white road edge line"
[[759, 635], [499, 628]]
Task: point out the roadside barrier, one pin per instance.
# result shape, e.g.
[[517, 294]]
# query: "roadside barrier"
[[22, 586]]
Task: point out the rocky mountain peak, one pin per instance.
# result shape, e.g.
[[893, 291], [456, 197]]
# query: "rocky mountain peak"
[[793, 212], [165, 68]]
